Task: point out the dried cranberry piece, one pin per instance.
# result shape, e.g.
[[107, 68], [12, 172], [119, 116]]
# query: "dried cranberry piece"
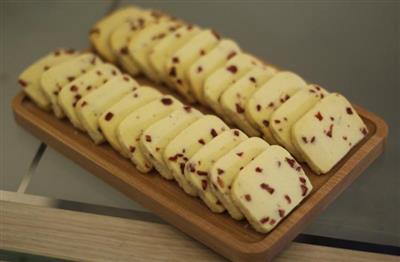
[[175, 60], [247, 197], [220, 171], [319, 116], [349, 110], [267, 188], [233, 69], [213, 132], [264, 220], [258, 107], [304, 190], [258, 169], [239, 108], [132, 149], [108, 116], [148, 138], [74, 88], [202, 173], [239, 154], [281, 212], [288, 199], [166, 101], [201, 141], [172, 72], [265, 123]]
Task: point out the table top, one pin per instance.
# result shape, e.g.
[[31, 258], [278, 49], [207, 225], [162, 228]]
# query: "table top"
[[346, 47]]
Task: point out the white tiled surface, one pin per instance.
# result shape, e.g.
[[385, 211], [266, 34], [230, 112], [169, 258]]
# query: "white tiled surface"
[[347, 47]]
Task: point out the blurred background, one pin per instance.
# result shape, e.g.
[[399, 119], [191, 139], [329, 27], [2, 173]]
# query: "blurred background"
[[351, 47]]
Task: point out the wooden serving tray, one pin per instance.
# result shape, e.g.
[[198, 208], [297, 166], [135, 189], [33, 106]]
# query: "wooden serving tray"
[[232, 239]]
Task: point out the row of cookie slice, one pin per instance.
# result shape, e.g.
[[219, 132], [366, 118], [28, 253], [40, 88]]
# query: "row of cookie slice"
[[257, 98], [223, 166]]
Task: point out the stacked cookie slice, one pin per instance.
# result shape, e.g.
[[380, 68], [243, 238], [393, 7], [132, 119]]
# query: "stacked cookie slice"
[[225, 168], [213, 71]]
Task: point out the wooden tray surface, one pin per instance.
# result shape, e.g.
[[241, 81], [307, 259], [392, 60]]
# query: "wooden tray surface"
[[232, 239]]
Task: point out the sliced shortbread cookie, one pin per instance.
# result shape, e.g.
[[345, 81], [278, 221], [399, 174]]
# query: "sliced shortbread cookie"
[[327, 132], [205, 65], [224, 171], [269, 188], [100, 34], [121, 36], [292, 110], [235, 97], [221, 79], [142, 43], [114, 115], [267, 98], [167, 47], [54, 79], [131, 128], [29, 79], [74, 91], [93, 105], [178, 65], [162, 132], [198, 167], [187, 143]]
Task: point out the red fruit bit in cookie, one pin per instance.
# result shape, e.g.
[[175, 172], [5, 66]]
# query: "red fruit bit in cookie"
[[364, 131], [281, 212], [77, 97], [265, 123], [349, 110], [291, 162], [239, 108], [230, 55], [258, 169], [236, 132], [304, 190], [272, 222], [288, 199], [271, 104], [201, 141], [70, 78], [213, 132], [267, 188], [252, 79], [84, 103], [220, 171], [247, 197], [148, 138], [220, 182], [126, 78], [239, 154], [132, 149], [22, 82], [258, 108], [330, 130], [319, 116], [108, 116], [124, 50], [166, 101], [204, 184], [74, 88], [199, 69], [187, 108], [233, 69], [175, 60], [201, 173], [264, 220], [172, 72]]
